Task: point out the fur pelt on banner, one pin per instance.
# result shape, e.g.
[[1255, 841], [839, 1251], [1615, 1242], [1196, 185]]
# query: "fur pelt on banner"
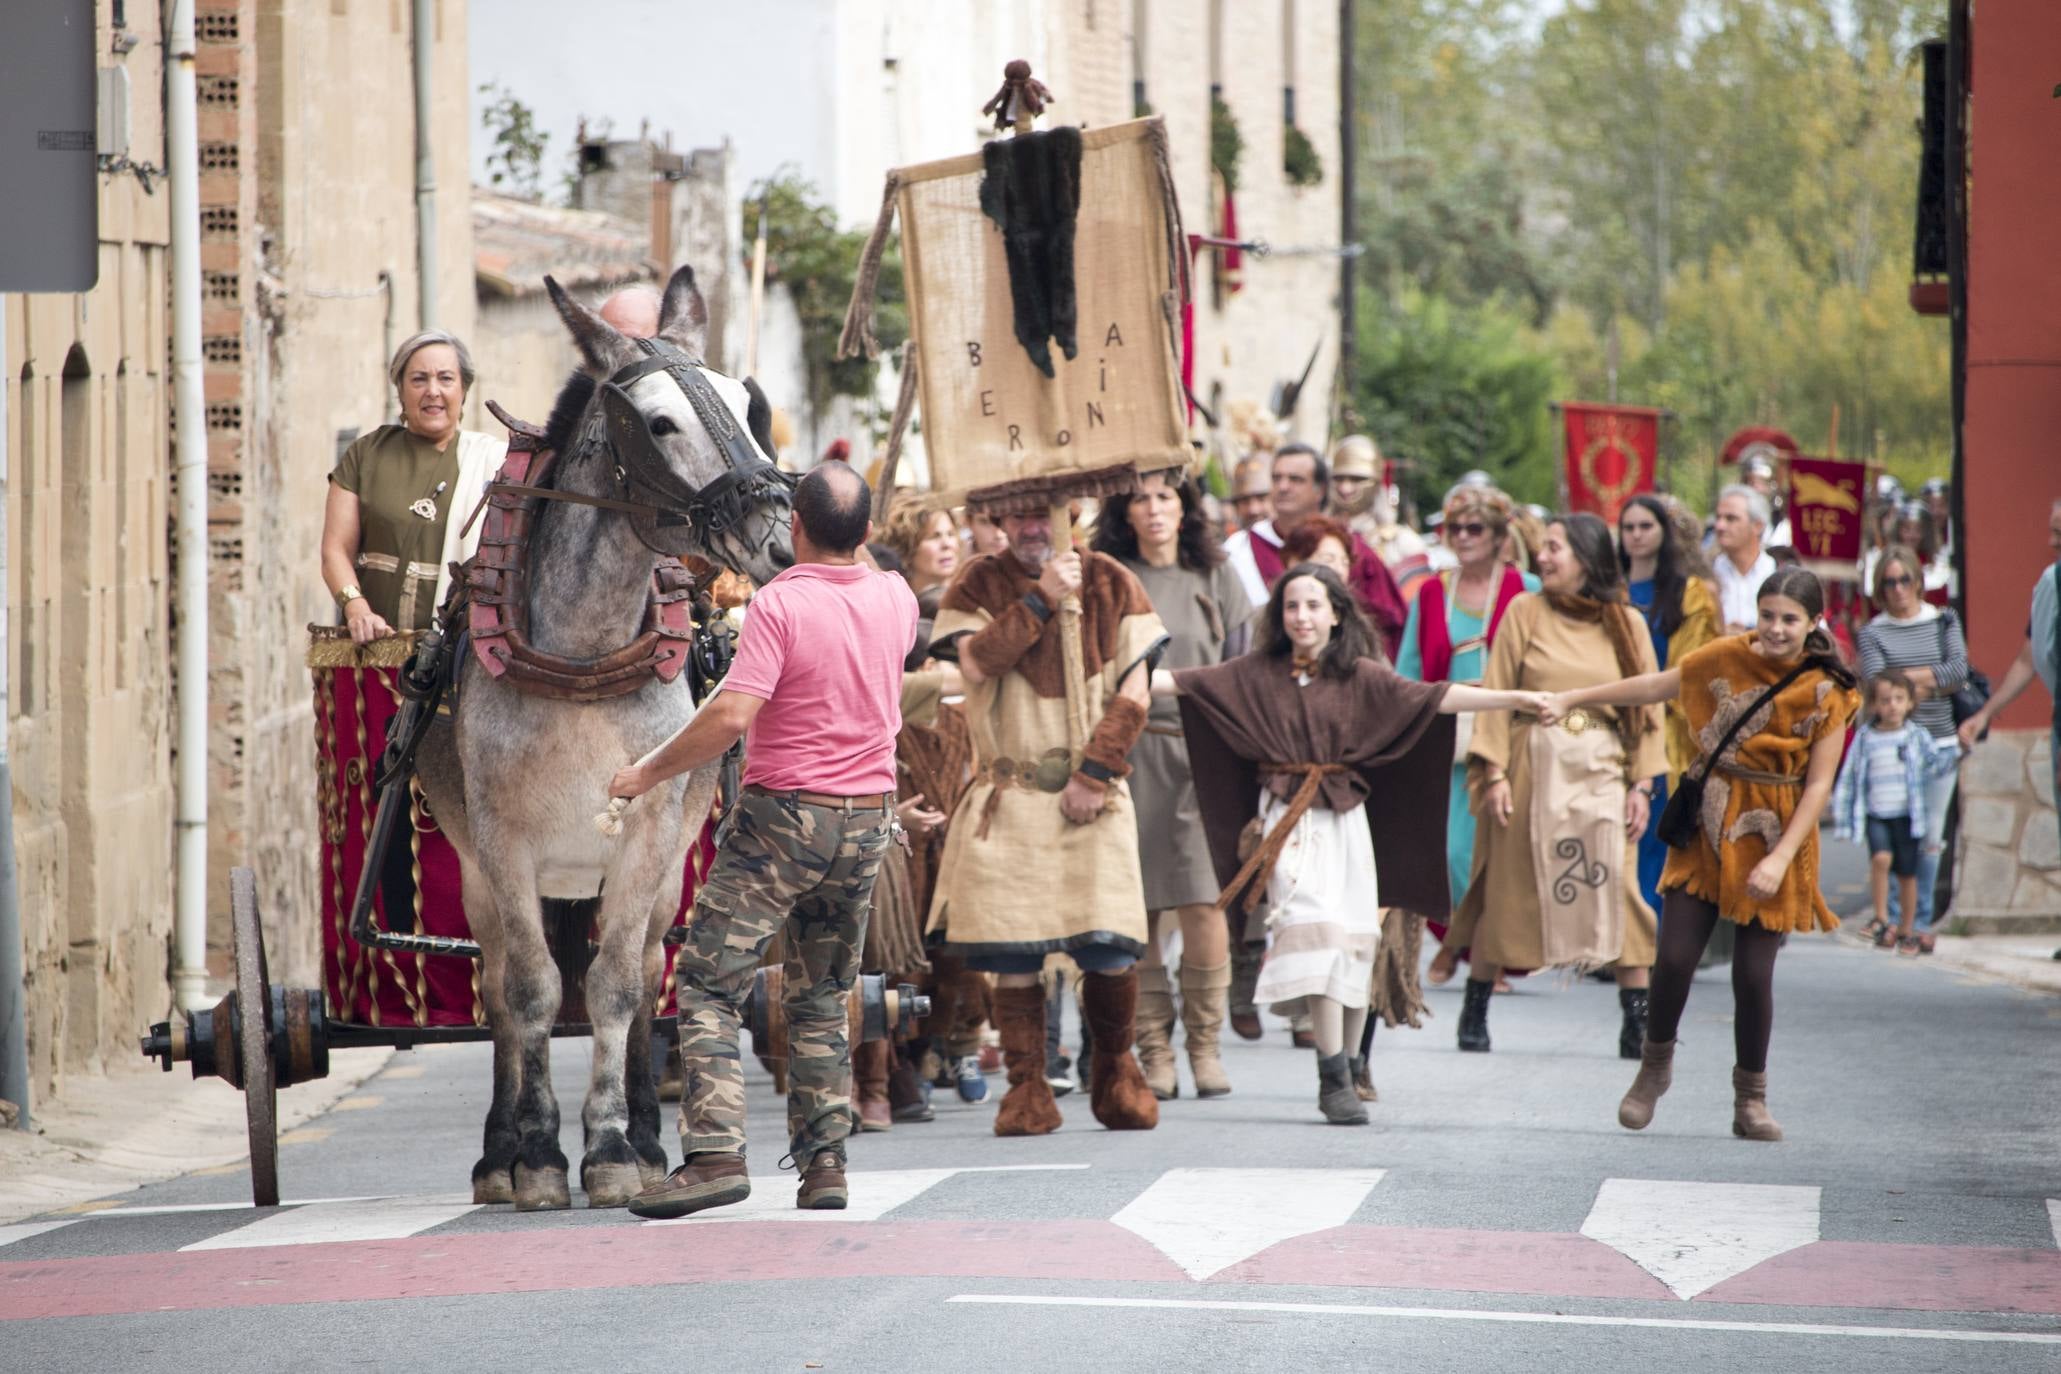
[[1031, 189]]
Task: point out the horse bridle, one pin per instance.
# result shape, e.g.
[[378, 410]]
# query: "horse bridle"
[[651, 490]]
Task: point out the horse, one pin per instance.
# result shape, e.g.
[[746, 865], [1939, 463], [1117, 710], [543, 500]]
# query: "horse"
[[515, 779]]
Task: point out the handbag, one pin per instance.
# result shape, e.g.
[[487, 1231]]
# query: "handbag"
[[1681, 820], [1972, 695]]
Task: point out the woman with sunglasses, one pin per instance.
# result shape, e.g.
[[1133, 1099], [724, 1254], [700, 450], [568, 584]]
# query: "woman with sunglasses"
[[1927, 645], [1681, 613], [1452, 624]]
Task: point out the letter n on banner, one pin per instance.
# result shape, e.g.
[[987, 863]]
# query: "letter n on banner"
[[1611, 455]]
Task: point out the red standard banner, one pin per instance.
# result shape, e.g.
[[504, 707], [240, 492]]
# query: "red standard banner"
[[1826, 496], [1611, 455]]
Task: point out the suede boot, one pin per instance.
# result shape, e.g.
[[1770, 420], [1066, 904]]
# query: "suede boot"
[[1632, 1034], [1027, 1108], [1156, 1033], [1750, 1119], [1336, 1098], [1656, 1075], [1205, 997], [871, 1062], [1474, 1031], [1116, 1088]]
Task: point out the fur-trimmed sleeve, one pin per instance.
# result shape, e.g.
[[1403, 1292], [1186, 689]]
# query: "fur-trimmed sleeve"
[[983, 619]]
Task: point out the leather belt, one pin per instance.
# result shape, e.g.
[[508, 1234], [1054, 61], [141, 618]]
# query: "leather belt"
[[871, 801]]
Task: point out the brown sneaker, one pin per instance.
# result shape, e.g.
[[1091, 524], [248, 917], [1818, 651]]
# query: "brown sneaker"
[[823, 1187], [710, 1179]]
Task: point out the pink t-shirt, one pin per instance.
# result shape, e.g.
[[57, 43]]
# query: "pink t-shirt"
[[823, 648]]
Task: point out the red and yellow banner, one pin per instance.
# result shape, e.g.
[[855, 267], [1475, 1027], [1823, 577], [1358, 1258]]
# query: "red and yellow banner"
[[1611, 455], [1827, 497]]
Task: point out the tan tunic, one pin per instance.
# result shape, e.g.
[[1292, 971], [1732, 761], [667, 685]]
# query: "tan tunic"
[[1017, 876], [390, 470], [1506, 917]]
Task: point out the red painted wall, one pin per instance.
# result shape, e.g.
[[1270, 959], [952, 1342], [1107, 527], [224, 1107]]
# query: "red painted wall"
[[2013, 421]]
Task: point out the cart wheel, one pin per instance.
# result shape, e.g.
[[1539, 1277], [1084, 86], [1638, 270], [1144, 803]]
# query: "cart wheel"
[[254, 1038]]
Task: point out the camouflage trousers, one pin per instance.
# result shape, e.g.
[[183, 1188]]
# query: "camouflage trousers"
[[781, 864]]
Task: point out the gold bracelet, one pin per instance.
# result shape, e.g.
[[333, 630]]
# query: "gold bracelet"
[[346, 595]]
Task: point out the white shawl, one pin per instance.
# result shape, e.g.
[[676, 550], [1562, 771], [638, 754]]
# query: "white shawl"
[[479, 462]]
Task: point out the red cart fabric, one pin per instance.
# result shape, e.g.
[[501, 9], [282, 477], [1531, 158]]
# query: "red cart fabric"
[[356, 695]]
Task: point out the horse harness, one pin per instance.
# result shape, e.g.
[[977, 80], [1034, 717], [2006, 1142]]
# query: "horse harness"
[[496, 592]]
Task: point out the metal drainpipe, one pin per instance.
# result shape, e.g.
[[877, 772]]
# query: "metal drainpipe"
[[425, 163], [182, 166], [14, 1047]]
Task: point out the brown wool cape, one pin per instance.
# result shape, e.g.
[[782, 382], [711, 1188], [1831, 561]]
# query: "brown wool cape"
[[1397, 751]]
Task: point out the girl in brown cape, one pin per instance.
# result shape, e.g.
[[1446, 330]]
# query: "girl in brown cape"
[[1315, 745]]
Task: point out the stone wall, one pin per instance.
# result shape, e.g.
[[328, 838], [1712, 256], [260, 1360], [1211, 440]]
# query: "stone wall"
[[2008, 861], [88, 584]]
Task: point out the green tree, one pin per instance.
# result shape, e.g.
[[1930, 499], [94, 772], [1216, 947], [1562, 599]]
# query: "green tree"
[[516, 163]]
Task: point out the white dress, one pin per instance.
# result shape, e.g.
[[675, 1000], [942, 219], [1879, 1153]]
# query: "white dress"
[[1324, 915]]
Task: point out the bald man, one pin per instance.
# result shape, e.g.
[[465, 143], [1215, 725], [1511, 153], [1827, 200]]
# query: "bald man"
[[633, 311]]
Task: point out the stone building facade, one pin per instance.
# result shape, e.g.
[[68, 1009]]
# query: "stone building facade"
[[307, 206], [89, 577], [2007, 875]]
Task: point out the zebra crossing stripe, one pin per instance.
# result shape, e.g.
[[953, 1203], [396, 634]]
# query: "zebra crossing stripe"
[[2054, 1219], [23, 1230], [323, 1223], [1694, 1236], [1206, 1220]]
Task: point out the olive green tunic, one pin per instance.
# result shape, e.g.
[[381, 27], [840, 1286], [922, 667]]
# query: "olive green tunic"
[[389, 470]]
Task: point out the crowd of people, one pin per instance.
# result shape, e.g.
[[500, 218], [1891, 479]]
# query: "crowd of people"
[[1208, 756]]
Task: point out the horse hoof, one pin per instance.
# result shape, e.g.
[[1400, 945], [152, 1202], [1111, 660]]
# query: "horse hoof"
[[612, 1185], [542, 1190], [497, 1186]]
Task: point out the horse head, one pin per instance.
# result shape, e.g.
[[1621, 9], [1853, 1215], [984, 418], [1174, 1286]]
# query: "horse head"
[[689, 444]]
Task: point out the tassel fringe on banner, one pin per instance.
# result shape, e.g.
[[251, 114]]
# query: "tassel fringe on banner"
[[1036, 495], [858, 337], [330, 646]]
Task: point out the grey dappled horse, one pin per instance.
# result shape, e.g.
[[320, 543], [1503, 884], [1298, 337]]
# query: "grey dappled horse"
[[516, 780]]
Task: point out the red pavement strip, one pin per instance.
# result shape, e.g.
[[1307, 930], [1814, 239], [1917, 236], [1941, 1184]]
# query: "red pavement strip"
[[1828, 1274]]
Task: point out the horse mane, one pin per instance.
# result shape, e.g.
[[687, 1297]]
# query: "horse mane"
[[561, 431]]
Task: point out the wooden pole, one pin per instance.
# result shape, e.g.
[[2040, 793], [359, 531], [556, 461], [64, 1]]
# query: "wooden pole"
[[758, 290], [1061, 515]]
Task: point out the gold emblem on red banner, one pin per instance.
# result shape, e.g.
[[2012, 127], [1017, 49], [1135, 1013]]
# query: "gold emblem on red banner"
[[1611, 496]]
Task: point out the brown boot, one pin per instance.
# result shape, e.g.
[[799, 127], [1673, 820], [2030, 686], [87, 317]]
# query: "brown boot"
[[1205, 997], [1656, 1075], [1027, 1108], [1116, 1089], [1156, 1033], [871, 1060], [1750, 1119], [1245, 969]]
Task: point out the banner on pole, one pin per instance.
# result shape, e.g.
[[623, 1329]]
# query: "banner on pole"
[[1612, 454], [1826, 499]]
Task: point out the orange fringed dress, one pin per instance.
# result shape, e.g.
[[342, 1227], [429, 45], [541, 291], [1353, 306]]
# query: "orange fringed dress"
[[1751, 794]]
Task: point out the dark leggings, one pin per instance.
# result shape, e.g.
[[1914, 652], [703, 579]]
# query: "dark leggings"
[[1685, 926]]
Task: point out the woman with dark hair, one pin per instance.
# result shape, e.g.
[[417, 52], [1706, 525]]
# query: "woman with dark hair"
[[1681, 613], [1754, 859], [1317, 751], [1160, 533], [1555, 879]]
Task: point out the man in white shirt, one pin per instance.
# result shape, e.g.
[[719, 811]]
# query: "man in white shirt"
[[1742, 564]]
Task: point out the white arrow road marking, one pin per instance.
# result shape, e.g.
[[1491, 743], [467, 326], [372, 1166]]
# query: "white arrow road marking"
[[1694, 1236], [323, 1222], [22, 1231], [2054, 1218], [874, 1193], [1206, 1220]]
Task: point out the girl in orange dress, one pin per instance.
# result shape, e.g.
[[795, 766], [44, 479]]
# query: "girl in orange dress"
[[1754, 861]]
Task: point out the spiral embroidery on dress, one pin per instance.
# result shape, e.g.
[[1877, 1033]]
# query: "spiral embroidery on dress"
[[1580, 870]]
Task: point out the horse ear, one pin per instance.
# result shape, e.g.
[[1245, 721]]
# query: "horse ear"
[[758, 417], [604, 349], [683, 318]]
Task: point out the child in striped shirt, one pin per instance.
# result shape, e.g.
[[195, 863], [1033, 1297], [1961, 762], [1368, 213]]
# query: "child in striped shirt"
[[1880, 795]]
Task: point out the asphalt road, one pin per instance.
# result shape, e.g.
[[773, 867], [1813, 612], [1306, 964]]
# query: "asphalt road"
[[1494, 1216]]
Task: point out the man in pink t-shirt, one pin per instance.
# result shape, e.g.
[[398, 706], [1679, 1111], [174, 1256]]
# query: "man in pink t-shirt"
[[816, 693]]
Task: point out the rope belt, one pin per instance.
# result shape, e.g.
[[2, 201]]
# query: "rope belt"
[[1169, 731], [1251, 878], [1759, 775]]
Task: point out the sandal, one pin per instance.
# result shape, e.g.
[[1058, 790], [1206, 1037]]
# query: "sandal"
[[1873, 931], [1926, 944], [1885, 938], [1909, 946]]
